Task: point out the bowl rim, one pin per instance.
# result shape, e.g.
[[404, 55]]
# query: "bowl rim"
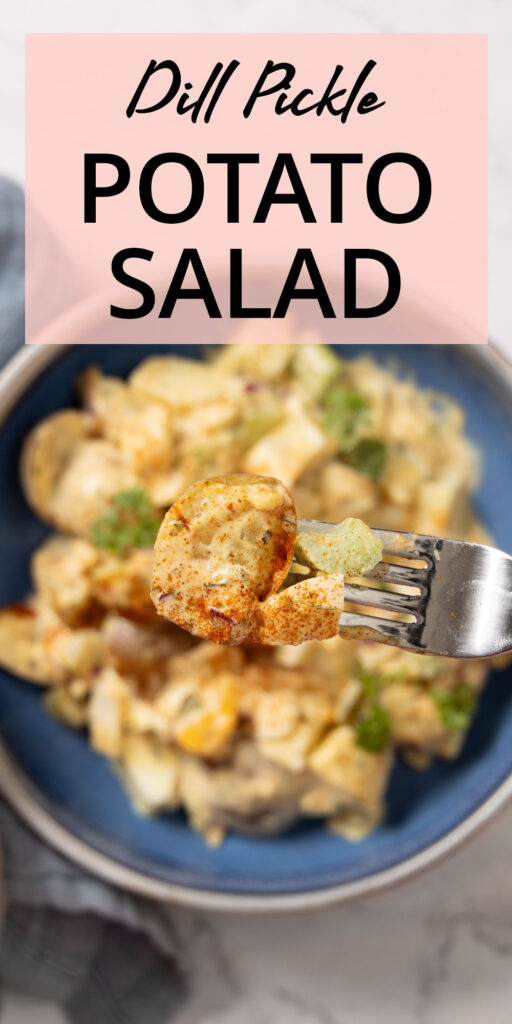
[[17, 375]]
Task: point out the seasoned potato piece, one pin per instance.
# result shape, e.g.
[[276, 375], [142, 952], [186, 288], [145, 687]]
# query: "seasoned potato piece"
[[309, 610], [59, 702], [164, 488], [123, 582], [251, 795], [346, 491], [46, 453], [439, 497], [290, 449], [288, 719], [291, 751], [80, 652], [415, 719], [22, 648], [223, 547], [61, 573], [140, 426], [403, 474], [150, 772], [144, 717], [265, 362], [142, 648], [39, 646], [182, 383], [78, 580], [331, 663], [209, 454], [205, 660], [108, 709], [210, 418], [354, 824], [361, 776], [94, 474]]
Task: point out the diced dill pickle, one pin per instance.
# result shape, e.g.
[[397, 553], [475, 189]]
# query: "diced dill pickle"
[[315, 367], [349, 548]]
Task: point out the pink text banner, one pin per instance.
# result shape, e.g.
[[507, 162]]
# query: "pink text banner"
[[184, 184]]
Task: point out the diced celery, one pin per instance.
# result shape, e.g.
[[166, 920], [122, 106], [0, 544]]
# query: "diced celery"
[[350, 548]]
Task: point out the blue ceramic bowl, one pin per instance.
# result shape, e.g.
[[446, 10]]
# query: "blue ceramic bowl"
[[71, 794]]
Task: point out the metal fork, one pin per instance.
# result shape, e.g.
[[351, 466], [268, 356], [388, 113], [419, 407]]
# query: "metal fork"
[[432, 596]]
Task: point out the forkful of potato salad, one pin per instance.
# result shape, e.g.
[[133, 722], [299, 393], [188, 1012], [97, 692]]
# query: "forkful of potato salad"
[[232, 563]]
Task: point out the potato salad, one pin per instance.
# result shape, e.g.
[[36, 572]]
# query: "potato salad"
[[265, 714]]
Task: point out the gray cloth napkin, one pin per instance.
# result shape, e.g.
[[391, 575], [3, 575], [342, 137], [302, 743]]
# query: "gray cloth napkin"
[[105, 956]]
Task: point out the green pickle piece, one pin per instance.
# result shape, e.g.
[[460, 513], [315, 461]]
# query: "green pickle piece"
[[315, 367], [350, 548]]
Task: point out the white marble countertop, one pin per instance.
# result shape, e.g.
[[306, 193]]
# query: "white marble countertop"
[[435, 951], [438, 950]]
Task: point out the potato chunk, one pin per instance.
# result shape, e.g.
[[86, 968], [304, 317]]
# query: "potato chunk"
[[223, 547], [46, 453], [290, 449], [309, 609], [139, 425], [22, 647], [95, 473], [182, 383]]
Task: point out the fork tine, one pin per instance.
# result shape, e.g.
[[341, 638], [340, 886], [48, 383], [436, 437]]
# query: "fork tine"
[[408, 545], [357, 626], [386, 572], [382, 600]]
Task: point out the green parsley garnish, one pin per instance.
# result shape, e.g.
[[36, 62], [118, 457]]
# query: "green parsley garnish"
[[369, 456], [131, 522], [373, 731], [455, 707], [345, 413]]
